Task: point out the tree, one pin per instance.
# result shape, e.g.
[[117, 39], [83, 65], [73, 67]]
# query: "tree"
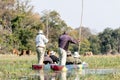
[[116, 40], [85, 46], [54, 26], [106, 40], [94, 44], [19, 24]]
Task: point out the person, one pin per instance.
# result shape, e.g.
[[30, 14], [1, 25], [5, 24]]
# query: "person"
[[47, 58], [63, 44], [53, 57], [70, 58], [41, 41], [77, 59]]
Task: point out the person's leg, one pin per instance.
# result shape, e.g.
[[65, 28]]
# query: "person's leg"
[[63, 75], [62, 56], [40, 54], [41, 72]]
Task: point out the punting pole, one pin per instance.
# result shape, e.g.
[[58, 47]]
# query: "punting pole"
[[80, 26]]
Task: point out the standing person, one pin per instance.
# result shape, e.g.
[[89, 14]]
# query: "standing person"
[[63, 44], [41, 41]]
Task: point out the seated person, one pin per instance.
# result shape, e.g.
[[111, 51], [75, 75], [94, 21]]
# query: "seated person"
[[77, 59], [70, 58], [53, 57], [47, 59]]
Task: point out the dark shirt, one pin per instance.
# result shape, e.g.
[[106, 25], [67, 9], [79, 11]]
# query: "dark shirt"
[[54, 58], [64, 41]]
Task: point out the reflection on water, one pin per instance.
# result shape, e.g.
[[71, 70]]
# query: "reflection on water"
[[66, 75], [54, 75], [46, 75]]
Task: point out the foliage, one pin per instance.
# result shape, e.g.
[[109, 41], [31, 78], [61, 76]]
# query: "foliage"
[[19, 26], [94, 44], [85, 32], [84, 46], [54, 26], [109, 40]]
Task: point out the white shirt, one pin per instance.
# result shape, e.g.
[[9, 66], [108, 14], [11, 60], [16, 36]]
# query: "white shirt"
[[41, 40]]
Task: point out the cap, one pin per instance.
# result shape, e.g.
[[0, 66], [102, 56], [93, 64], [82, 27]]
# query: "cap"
[[76, 54], [40, 31]]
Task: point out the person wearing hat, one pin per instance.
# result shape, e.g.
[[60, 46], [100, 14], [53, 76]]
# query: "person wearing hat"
[[77, 59], [47, 58], [63, 44], [41, 41], [53, 57], [70, 58]]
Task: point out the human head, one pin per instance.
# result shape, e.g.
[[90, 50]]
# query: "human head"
[[40, 32], [48, 52], [52, 53], [76, 54], [65, 32]]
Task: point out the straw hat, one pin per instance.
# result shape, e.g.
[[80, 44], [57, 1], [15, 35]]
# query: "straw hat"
[[52, 53], [40, 31], [76, 54]]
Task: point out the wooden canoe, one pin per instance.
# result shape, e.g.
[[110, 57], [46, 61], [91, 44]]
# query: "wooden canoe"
[[55, 67]]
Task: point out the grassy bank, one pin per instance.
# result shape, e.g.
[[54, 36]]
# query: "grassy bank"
[[13, 67]]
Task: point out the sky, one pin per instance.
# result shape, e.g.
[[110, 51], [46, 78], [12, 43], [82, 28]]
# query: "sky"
[[97, 14]]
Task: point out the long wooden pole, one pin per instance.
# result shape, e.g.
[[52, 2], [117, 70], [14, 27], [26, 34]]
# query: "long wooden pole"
[[80, 27], [47, 23]]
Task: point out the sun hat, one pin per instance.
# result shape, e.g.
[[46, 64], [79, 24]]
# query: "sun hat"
[[76, 54], [40, 31], [52, 53]]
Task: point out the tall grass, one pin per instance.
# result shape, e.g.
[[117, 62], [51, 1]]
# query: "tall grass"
[[15, 67], [111, 61]]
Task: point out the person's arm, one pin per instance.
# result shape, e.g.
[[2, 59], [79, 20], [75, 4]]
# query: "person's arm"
[[45, 39], [73, 40]]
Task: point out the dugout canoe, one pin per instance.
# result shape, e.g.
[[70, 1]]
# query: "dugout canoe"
[[56, 67]]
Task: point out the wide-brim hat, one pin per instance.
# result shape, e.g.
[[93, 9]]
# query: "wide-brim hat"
[[40, 31], [76, 54], [52, 53]]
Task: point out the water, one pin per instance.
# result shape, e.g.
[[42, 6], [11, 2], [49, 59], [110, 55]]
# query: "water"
[[73, 74], [67, 75], [56, 75], [100, 71]]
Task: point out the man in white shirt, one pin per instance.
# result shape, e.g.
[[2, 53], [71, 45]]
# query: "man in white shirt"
[[41, 41]]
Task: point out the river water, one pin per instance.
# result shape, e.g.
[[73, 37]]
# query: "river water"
[[66, 75]]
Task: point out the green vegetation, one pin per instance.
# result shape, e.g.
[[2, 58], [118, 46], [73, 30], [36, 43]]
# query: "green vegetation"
[[15, 67], [19, 26]]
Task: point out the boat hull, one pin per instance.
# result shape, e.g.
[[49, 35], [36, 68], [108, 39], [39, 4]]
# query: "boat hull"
[[55, 67]]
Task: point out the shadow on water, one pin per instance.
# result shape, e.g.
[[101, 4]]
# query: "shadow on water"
[[66, 75]]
